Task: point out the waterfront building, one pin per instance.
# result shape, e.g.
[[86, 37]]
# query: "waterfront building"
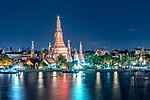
[[15, 55], [101, 52]]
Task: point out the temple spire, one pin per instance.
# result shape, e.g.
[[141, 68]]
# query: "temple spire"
[[59, 46], [32, 45], [81, 48], [76, 57], [32, 49], [69, 52], [58, 38], [58, 26], [81, 57]]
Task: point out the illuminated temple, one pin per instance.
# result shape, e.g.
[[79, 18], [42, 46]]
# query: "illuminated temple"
[[59, 47]]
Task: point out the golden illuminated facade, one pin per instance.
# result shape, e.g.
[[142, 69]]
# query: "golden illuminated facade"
[[59, 45]]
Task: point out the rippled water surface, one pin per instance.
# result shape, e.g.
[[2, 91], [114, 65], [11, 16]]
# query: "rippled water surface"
[[65, 86]]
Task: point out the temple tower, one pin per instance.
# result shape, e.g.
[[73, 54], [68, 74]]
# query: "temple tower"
[[32, 49], [69, 52], [81, 57], [59, 45], [76, 56]]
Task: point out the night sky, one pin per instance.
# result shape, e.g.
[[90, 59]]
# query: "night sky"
[[97, 23]]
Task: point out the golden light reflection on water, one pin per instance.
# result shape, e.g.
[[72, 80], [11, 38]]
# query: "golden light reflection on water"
[[54, 74], [116, 86], [98, 80], [98, 85], [115, 78], [40, 79]]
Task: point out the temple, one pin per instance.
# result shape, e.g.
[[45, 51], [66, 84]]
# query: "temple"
[[59, 45], [59, 48]]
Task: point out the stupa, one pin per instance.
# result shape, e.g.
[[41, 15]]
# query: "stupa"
[[59, 47], [69, 52], [81, 56]]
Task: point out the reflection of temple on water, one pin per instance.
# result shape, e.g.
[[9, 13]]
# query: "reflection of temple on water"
[[58, 86], [40, 80]]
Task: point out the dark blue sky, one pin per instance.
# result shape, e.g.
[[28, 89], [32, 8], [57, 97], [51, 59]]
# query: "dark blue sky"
[[96, 23]]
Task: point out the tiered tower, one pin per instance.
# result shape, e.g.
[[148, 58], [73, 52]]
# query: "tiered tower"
[[69, 52], [32, 49], [76, 56], [81, 57], [59, 46]]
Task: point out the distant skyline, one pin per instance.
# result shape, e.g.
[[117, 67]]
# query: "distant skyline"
[[96, 23]]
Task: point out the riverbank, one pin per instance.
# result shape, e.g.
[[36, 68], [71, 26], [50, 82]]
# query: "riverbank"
[[38, 70], [87, 70], [114, 70]]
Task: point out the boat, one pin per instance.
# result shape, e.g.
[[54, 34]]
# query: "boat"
[[70, 71], [6, 71]]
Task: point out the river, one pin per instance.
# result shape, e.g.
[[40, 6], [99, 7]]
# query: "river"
[[68, 86]]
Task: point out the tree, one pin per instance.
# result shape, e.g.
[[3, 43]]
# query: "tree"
[[147, 57], [107, 61], [61, 61], [127, 59], [45, 52], [93, 60]]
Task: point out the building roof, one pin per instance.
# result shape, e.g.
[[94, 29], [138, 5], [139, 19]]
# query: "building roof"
[[32, 61]]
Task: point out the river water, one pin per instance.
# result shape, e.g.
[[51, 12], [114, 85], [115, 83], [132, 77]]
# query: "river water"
[[65, 86]]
